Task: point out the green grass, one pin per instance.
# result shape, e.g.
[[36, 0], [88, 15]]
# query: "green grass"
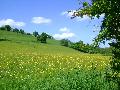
[[21, 38], [26, 64]]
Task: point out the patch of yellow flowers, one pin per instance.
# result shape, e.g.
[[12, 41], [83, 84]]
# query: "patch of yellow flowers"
[[22, 66]]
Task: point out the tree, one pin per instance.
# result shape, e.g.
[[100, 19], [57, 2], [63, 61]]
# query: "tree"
[[35, 33], [2, 28], [28, 33], [49, 36], [16, 30], [64, 42], [8, 28], [110, 28], [42, 38], [21, 31]]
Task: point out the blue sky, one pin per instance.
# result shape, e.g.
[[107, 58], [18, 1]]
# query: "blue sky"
[[49, 16]]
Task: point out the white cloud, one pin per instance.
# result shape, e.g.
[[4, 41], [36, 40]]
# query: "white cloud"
[[85, 17], [68, 14], [65, 33], [65, 29], [41, 20], [11, 22]]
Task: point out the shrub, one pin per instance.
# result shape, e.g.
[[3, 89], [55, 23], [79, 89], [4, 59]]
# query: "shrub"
[[2, 28], [42, 38], [64, 42], [35, 33], [8, 27]]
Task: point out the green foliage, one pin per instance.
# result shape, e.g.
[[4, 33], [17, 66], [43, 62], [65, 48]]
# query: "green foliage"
[[64, 42], [79, 46], [86, 48], [21, 31], [49, 36], [2, 28], [35, 33], [110, 28], [8, 27], [28, 33], [85, 4], [110, 24], [42, 38], [16, 30]]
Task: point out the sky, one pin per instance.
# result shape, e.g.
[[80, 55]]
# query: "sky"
[[49, 16]]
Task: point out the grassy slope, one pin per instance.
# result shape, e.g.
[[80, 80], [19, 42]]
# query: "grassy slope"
[[18, 45], [26, 42], [23, 59]]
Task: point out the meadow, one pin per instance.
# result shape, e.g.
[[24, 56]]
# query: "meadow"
[[26, 64]]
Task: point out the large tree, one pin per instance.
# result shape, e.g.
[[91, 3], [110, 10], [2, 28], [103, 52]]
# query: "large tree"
[[8, 27], [110, 28]]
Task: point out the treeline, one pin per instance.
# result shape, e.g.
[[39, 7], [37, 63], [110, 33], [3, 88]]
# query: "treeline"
[[86, 48], [9, 28]]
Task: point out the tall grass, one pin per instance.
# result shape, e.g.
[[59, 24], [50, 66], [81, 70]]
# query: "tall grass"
[[72, 80]]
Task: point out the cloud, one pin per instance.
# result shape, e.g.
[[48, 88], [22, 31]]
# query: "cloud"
[[11, 22], [41, 20], [65, 29], [65, 33], [85, 17], [68, 14]]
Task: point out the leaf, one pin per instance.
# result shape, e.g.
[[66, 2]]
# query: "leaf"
[[85, 4]]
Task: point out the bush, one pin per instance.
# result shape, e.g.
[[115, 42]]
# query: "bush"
[[28, 33], [21, 31], [2, 28], [35, 33], [8, 27], [42, 38], [64, 42], [16, 30]]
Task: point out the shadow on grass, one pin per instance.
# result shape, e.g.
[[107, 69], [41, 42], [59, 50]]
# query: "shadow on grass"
[[4, 40]]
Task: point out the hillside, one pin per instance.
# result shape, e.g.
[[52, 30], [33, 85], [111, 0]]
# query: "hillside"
[[14, 41], [26, 63]]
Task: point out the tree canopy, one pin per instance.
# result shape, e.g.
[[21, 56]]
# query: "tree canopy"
[[110, 28], [8, 27], [42, 38], [35, 33]]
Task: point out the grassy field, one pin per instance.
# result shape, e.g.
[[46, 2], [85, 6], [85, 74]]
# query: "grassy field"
[[26, 64]]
